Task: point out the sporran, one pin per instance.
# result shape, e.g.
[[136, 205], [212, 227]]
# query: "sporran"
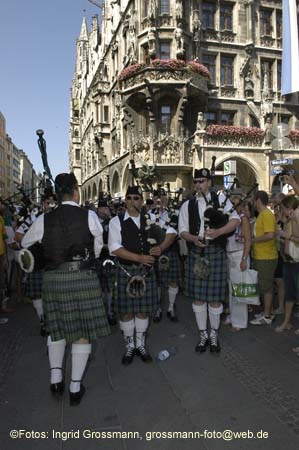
[[201, 268]]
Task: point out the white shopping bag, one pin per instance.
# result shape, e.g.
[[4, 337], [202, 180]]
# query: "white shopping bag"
[[244, 286]]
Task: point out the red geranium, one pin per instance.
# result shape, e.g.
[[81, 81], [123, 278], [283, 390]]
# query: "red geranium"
[[231, 130], [173, 64], [198, 68], [294, 134], [130, 70]]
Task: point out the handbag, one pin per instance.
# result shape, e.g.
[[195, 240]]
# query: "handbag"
[[244, 286], [292, 249]]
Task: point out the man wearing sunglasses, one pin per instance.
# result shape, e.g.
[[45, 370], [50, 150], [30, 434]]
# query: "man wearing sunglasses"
[[128, 242], [208, 290]]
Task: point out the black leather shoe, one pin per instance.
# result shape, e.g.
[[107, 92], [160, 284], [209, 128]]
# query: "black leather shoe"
[[172, 316], [76, 397], [143, 354], [128, 356], [203, 343], [157, 316], [214, 342], [57, 388]]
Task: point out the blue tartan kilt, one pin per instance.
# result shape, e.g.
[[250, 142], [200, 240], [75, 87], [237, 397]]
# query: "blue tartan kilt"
[[126, 305], [174, 273], [34, 285], [214, 287], [73, 305]]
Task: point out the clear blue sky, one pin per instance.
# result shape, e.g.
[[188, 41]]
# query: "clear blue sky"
[[37, 61]]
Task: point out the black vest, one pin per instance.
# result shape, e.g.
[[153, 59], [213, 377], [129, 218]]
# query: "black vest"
[[134, 239], [67, 236], [105, 225], [195, 222], [37, 251]]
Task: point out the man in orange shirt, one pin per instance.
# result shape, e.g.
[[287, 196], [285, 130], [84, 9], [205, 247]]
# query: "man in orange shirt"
[[265, 255]]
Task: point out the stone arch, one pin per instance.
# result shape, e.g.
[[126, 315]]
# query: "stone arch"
[[126, 179], [115, 186], [247, 178], [94, 191], [100, 185]]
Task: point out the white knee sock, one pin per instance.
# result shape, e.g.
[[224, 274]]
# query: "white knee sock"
[[80, 354], [38, 306], [201, 315], [128, 329], [214, 316], [172, 293], [141, 327], [56, 351]]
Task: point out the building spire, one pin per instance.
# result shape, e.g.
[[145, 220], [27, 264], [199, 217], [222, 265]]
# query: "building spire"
[[83, 33]]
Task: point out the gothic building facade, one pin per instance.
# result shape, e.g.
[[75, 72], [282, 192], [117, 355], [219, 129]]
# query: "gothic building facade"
[[173, 83]]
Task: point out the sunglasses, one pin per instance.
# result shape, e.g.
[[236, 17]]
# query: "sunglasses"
[[200, 181], [133, 197]]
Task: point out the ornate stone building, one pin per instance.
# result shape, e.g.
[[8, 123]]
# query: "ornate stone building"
[[173, 83]]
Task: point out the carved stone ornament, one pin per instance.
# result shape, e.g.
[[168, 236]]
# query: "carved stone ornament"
[[141, 150], [179, 10], [151, 39], [248, 85], [179, 39], [152, 9], [233, 141], [167, 150]]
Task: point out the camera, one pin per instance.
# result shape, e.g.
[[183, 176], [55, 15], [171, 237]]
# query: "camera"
[[285, 172]]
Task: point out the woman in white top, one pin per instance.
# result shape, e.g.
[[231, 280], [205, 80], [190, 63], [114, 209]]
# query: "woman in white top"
[[238, 249]]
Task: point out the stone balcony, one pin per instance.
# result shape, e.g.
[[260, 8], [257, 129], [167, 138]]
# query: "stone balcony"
[[138, 76], [232, 137]]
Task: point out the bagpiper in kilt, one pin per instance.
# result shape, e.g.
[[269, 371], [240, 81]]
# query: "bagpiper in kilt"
[[128, 241], [34, 279], [71, 238], [206, 265], [105, 263], [168, 273]]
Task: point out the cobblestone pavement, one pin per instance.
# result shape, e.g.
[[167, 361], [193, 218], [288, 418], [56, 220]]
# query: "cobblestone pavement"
[[252, 387]]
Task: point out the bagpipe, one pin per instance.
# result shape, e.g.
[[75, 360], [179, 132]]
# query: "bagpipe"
[[32, 258], [214, 215]]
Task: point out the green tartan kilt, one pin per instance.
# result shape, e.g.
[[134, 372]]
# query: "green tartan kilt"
[[34, 285], [73, 305], [126, 305], [214, 287], [173, 274]]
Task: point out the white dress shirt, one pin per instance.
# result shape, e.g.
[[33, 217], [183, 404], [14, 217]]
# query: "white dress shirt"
[[202, 206], [163, 217], [36, 231], [114, 236]]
